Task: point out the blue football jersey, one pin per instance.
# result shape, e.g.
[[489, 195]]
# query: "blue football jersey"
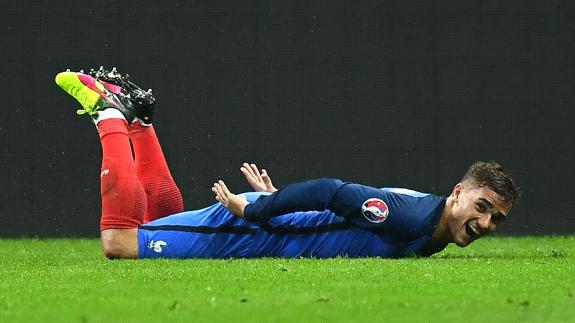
[[319, 218]]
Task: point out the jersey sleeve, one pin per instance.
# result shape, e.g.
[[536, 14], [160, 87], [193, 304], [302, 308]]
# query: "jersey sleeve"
[[362, 205]]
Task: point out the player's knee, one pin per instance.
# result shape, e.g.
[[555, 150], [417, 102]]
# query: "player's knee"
[[119, 244], [111, 249]]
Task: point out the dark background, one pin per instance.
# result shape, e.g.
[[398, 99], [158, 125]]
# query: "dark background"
[[385, 93]]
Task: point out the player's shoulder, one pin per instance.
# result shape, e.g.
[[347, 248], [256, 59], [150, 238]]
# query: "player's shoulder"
[[405, 197], [405, 192], [415, 210]]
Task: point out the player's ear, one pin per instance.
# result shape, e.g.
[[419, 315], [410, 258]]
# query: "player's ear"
[[457, 190]]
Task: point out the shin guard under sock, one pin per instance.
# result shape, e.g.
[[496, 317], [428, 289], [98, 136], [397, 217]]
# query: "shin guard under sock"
[[123, 197], [163, 195]]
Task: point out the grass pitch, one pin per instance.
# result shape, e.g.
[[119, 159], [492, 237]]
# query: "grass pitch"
[[496, 279]]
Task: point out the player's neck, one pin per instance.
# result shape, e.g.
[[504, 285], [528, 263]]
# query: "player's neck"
[[441, 236]]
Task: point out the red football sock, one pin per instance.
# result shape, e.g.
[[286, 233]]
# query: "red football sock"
[[163, 195], [123, 198]]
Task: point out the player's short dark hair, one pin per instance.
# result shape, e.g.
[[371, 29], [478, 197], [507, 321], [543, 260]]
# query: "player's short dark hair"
[[494, 176]]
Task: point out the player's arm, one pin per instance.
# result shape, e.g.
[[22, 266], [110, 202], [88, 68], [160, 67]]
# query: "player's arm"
[[344, 199]]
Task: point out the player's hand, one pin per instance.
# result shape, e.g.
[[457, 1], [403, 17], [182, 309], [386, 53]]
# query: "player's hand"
[[234, 203], [260, 182]]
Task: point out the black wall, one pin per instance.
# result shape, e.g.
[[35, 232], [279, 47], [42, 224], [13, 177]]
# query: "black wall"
[[384, 93]]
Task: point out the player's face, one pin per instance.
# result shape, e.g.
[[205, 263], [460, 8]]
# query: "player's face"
[[476, 212]]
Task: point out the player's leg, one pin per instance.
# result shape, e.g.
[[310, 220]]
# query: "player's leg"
[[123, 197], [163, 195]]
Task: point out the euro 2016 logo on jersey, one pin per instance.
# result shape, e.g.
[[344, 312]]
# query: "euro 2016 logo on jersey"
[[375, 210]]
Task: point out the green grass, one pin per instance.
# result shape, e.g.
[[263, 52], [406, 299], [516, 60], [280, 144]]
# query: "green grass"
[[496, 279]]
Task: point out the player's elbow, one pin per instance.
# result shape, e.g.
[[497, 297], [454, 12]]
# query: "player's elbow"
[[120, 243], [330, 185]]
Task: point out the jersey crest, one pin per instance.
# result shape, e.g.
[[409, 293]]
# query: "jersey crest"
[[375, 210]]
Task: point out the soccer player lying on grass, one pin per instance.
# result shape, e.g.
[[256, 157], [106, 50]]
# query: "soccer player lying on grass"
[[143, 214]]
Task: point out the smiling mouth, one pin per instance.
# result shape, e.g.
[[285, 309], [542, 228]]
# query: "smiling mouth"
[[472, 231]]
